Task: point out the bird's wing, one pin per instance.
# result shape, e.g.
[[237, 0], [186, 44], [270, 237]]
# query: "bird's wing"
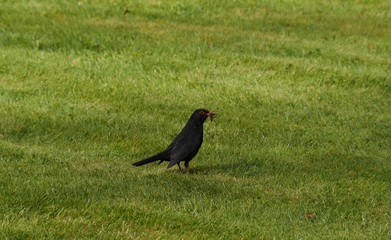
[[183, 148]]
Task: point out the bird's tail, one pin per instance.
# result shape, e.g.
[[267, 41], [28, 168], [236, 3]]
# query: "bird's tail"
[[160, 156]]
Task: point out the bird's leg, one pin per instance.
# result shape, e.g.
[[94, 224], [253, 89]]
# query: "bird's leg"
[[179, 167], [187, 167]]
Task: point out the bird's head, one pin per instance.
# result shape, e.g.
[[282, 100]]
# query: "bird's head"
[[200, 115]]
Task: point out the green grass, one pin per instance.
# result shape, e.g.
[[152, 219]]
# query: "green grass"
[[301, 148]]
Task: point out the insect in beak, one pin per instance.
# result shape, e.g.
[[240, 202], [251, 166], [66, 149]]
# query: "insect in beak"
[[211, 115]]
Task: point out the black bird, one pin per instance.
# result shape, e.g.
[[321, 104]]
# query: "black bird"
[[186, 145]]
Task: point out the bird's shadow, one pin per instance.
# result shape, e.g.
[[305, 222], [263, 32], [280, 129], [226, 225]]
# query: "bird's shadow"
[[240, 168], [210, 169]]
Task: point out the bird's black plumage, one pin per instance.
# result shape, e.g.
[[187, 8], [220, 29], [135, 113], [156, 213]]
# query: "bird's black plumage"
[[186, 145]]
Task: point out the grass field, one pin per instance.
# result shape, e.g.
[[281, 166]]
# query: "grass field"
[[301, 148]]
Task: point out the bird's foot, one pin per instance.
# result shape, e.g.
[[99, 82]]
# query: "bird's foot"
[[179, 166]]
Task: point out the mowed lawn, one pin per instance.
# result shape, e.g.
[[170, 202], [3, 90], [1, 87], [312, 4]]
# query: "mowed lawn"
[[301, 147]]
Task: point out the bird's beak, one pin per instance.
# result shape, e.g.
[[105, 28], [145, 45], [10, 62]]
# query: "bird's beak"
[[211, 115]]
